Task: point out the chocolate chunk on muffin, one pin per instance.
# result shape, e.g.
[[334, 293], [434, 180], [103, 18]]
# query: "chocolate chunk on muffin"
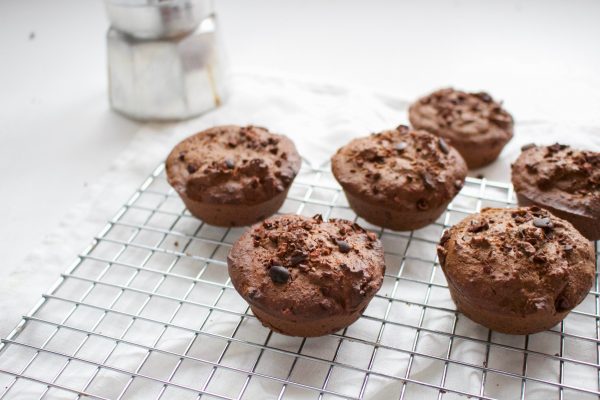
[[476, 125], [563, 180], [305, 276], [232, 175], [400, 179], [517, 271]]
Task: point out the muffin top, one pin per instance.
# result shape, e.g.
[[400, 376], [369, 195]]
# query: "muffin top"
[[559, 176], [521, 260], [232, 165], [461, 116], [401, 168], [306, 268]]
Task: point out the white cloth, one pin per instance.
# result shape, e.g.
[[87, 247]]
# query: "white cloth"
[[319, 117]]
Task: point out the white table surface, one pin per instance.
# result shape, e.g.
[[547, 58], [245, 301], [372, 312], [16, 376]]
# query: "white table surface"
[[58, 134]]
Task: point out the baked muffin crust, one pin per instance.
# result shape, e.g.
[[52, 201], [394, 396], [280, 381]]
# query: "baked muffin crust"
[[474, 123], [400, 170], [233, 165], [564, 180], [516, 270], [231, 175], [305, 276]]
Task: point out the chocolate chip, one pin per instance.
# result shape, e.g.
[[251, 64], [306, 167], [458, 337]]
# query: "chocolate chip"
[[343, 246], [528, 146], [478, 226], [428, 180], [568, 248], [531, 168], [486, 98], [402, 129], [229, 163], [298, 258], [182, 156], [279, 274], [401, 146], [267, 225], [562, 304], [191, 168], [443, 146], [544, 182], [422, 204], [307, 226], [545, 223], [480, 176], [556, 147]]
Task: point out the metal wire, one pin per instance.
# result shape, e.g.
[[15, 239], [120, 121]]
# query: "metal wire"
[[147, 311]]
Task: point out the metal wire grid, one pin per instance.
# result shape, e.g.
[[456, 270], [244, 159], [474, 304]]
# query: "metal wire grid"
[[147, 311]]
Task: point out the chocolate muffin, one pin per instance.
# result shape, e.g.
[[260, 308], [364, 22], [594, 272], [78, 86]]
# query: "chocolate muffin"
[[563, 180], [231, 175], [517, 270], [400, 179], [305, 276], [476, 125]]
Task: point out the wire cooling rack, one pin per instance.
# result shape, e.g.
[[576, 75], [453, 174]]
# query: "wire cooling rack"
[[147, 311]]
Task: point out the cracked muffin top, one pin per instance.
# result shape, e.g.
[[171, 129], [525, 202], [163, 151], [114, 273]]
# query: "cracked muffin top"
[[233, 165], [459, 115], [402, 168], [307, 268], [518, 261], [559, 176]]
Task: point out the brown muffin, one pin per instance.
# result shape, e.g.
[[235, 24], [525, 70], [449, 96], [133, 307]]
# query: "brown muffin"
[[304, 276], [231, 175], [476, 125], [518, 270], [399, 179], [563, 180]]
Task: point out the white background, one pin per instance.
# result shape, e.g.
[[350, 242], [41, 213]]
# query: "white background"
[[57, 134]]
